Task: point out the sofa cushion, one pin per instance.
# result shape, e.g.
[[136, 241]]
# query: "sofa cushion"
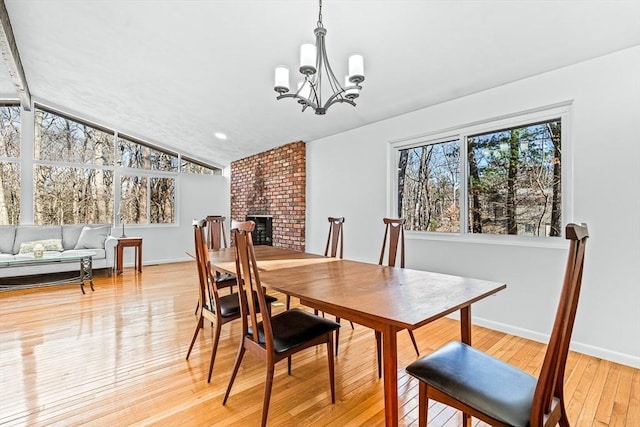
[[47, 245], [93, 237], [70, 235], [29, 233], [7, 236]]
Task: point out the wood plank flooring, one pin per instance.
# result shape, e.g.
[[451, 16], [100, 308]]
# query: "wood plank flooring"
[[116, 357]]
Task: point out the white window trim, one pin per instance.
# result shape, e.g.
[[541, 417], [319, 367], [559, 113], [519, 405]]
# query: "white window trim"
[[561, 110]]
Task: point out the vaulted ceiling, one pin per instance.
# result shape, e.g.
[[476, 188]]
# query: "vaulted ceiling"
[[175, 72]]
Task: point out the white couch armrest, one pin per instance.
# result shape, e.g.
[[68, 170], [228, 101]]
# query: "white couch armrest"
[[109, 245]]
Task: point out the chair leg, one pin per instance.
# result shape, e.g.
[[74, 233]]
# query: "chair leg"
[[466, 420], [236, 365], [195, 335], [214, 348], [332, 379], [379, 352], [267, 393], [563, 421], [288, 302], [337, 335], [413, 340], [197, 307], [289, 365], [423, 404]]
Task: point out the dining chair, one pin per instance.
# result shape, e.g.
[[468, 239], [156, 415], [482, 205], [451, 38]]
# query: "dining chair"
[[216, 239], [494, 391], [211, 305], [394, 234], [272, 338]]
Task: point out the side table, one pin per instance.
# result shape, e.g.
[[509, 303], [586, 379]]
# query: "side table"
[[128, 242]]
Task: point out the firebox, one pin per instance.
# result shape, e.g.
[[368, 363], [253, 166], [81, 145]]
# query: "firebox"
[[262, 234]]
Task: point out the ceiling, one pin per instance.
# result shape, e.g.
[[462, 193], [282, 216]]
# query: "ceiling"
[[175, 72]]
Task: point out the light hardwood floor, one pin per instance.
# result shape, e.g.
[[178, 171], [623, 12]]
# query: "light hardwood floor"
[[116, 357]]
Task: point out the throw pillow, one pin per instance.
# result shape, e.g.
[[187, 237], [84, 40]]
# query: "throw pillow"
[[47, 245], [93, 238]]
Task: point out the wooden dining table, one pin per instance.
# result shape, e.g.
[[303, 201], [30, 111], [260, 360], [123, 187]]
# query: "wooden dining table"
[[386, 299]]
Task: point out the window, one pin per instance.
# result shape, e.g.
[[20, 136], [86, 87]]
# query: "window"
[[428, 183], [85, 173], [497, 178], [61, 139], [191, 166], [515, 180], [134, 154], [10, 124], [72, 195], [72, 172], [147, 197]]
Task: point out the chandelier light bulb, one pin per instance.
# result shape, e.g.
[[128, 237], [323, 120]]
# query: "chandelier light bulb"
[[308, 53], [281, 79], [356, 68]]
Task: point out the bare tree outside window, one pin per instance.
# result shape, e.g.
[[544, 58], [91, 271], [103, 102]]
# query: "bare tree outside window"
[[188, 166], [10, 126], [428, 187], [68, 195], [162, 200], [133, 199], [61, 139], [139, 156]]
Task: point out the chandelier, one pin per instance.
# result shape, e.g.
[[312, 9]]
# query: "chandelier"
[[318, 75]]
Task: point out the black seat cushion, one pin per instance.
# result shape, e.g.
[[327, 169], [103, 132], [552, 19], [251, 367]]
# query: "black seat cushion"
[[225, 277], [230, 304], [295, 327], [485, 383]]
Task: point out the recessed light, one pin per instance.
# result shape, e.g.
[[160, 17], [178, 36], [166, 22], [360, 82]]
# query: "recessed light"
[[220, 135]]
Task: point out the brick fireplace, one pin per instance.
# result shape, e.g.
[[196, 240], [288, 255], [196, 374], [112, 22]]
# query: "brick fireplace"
[[273, 184]]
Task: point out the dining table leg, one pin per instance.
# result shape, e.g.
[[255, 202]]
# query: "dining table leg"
[[465, 324], [390, 357], [465, 337]]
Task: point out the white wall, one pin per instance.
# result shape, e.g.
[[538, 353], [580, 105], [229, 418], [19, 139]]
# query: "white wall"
[[605, 136], [198, 196]]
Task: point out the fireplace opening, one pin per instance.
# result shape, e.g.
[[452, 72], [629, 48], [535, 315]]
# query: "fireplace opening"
[[263, 233]]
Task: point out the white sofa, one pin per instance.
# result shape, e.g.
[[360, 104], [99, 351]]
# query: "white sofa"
[[92, 237]]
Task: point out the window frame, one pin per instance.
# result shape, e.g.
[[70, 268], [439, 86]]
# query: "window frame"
[[461, 132], [117, 169]]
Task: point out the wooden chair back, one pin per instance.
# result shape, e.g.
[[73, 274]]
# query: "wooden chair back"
[[252, 295], [208, 290], [334, 239], [549, 389], [202, 277], [394, 228], [216, 235]]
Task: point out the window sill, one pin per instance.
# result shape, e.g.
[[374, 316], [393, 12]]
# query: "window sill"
[[485, 239]]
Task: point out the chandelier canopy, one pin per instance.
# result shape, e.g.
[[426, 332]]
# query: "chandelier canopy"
[[318, 75]]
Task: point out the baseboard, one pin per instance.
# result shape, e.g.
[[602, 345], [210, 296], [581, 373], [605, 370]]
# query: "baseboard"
[[147, 263], [590, 350]]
